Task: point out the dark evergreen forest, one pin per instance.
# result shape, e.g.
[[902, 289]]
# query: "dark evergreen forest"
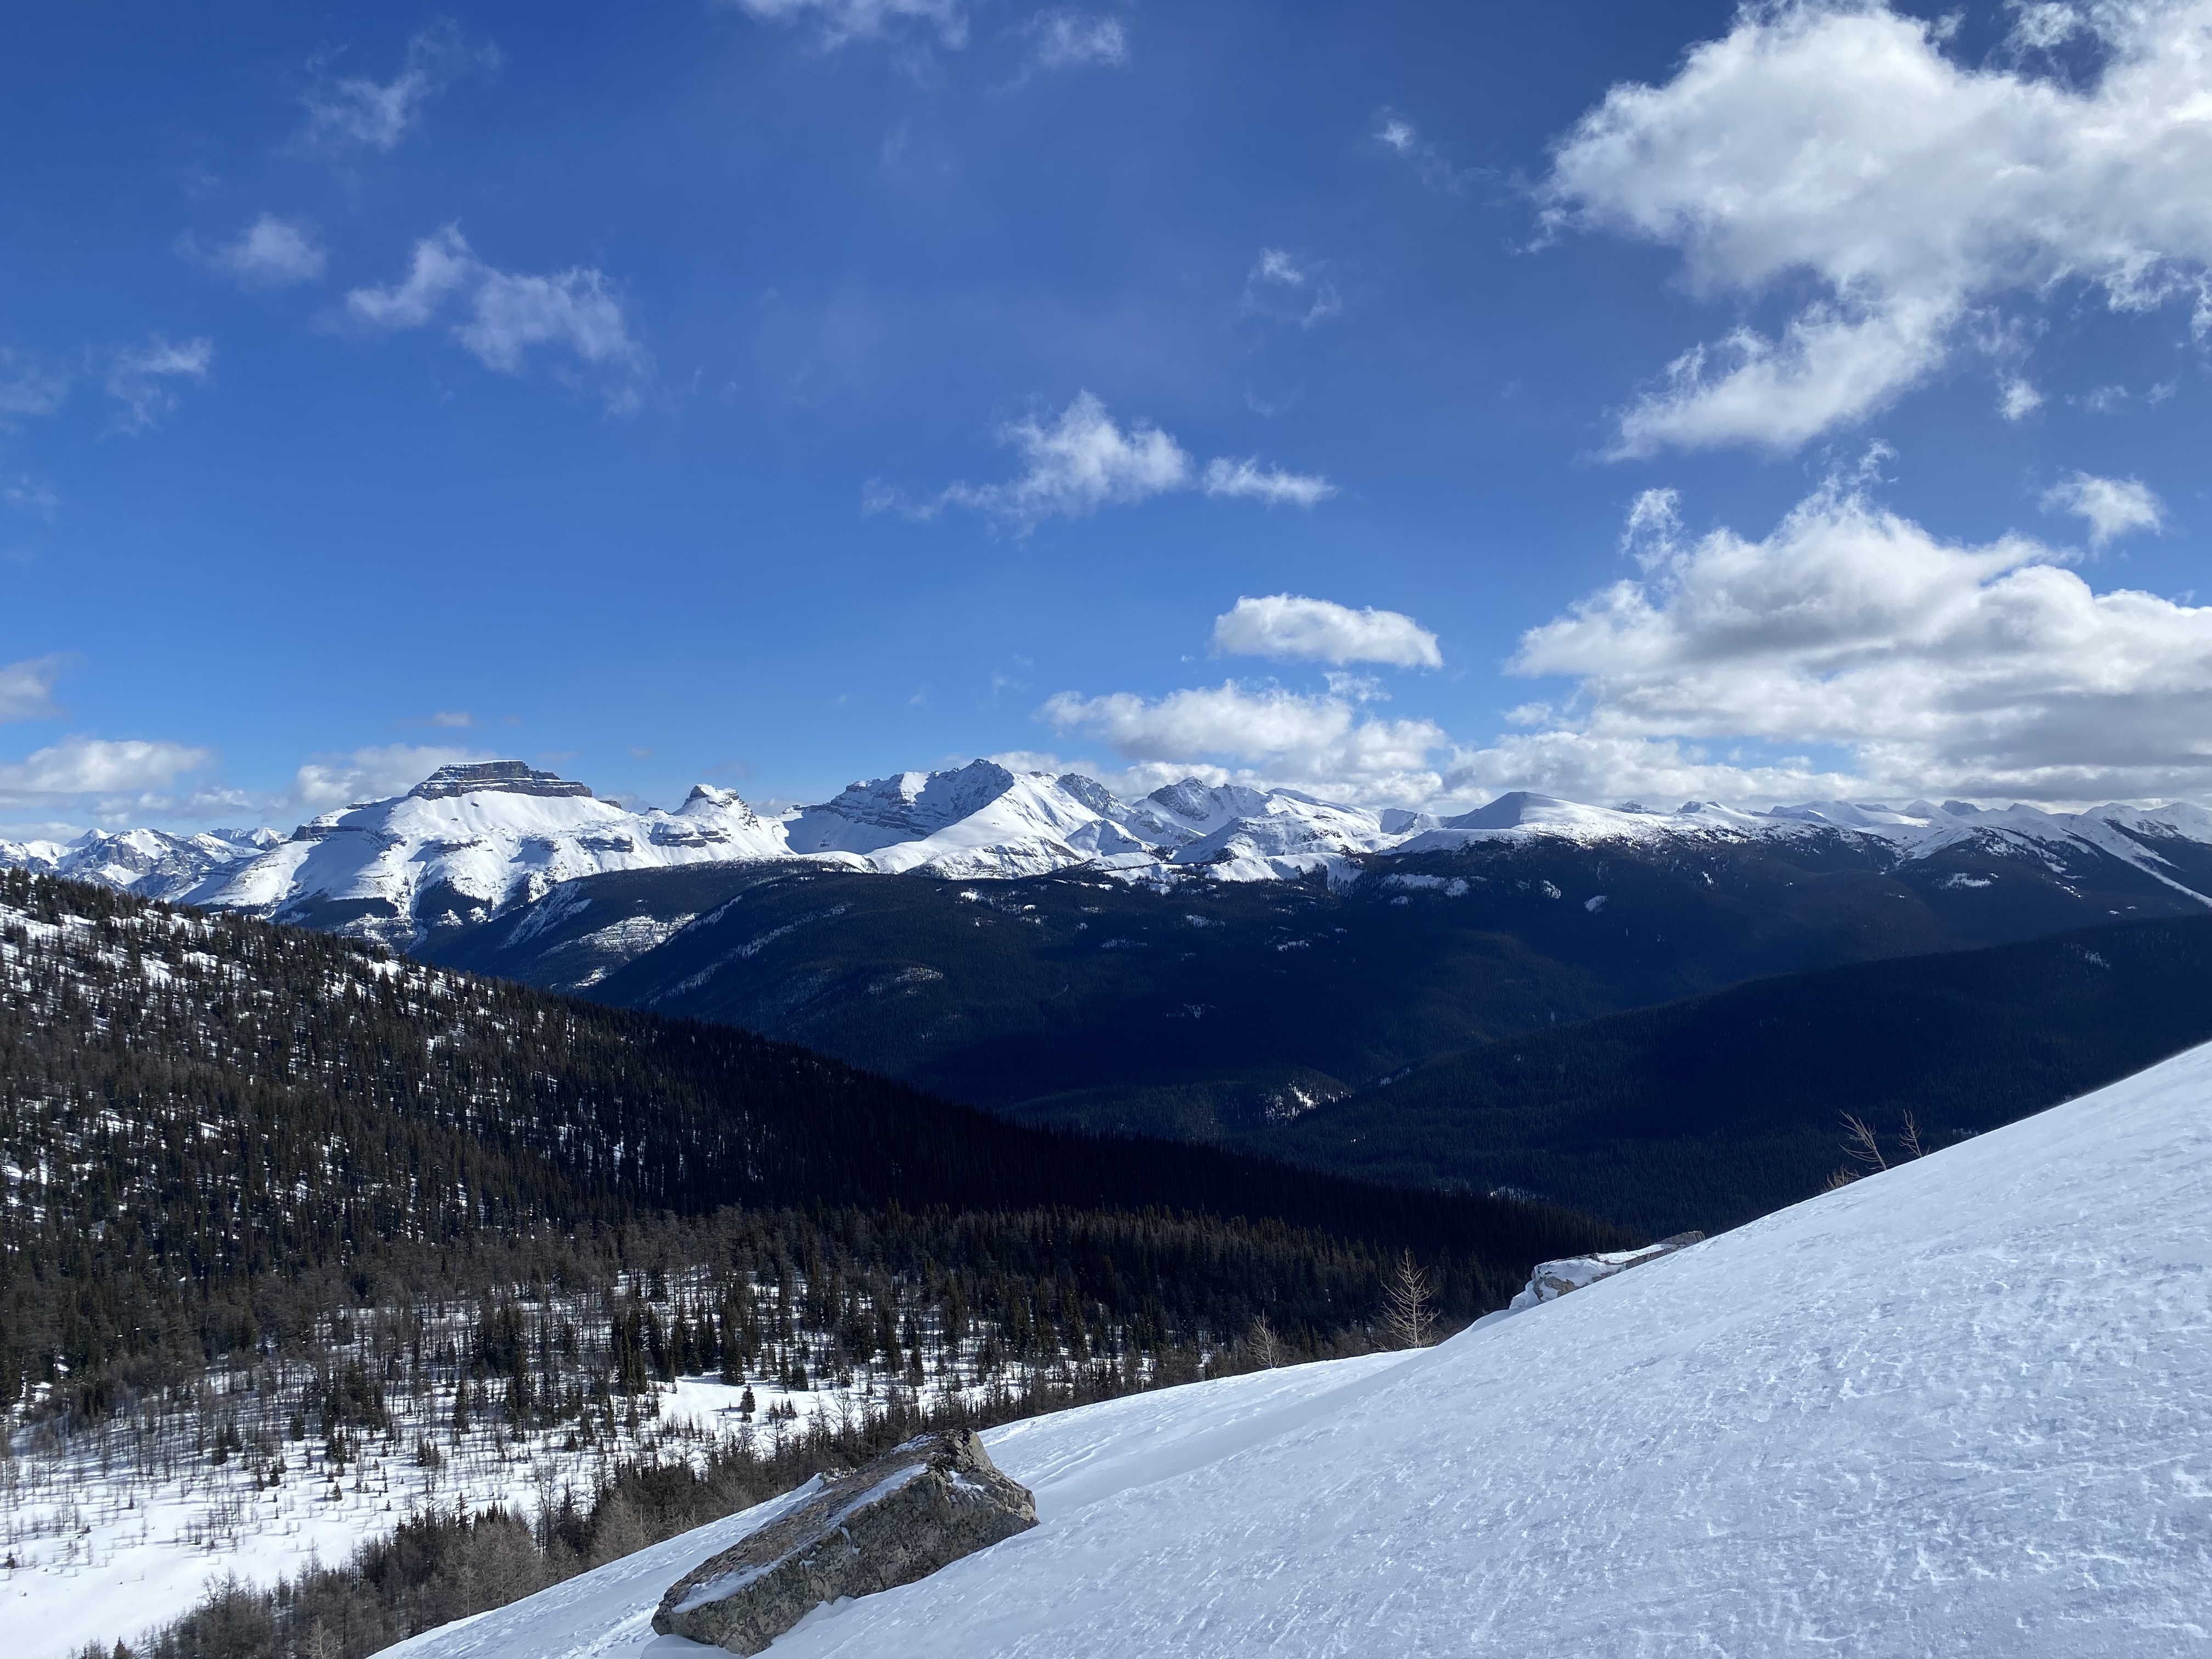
[[217, 1129], [1709, 1112]]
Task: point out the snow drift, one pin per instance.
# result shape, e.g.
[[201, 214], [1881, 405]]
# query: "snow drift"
[[1957, 1408]]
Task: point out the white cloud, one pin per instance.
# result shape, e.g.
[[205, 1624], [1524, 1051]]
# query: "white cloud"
[[28, 495], [1082, 461], [1247, 479], [29, 386], [1068, 39], [510, 313], [457, 718], [441, 265], [1834, 139], [1289, 627], [1976, 671], [1401, 137], [61, 775], [841, 21], [270, 253], [1320, 743], [2109, 507], [2017, 399], [27, 689], [1280, 289], [140, 378], [357, 110], [1079, 463], [373, 773]]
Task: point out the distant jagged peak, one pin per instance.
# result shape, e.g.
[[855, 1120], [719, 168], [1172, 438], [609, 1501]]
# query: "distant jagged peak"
[[504, 777], [1092, 793], [877, 812]]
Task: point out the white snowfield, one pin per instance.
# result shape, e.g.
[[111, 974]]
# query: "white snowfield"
[[1963, 1408], [472, 841]]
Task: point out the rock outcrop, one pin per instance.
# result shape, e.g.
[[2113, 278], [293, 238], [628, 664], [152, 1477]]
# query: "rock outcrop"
[[915, 1508], [1554, 1279]]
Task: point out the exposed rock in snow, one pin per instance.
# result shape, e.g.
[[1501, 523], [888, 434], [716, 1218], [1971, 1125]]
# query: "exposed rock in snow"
[[1554, 1279], [1954, 1408], [919, 1507]]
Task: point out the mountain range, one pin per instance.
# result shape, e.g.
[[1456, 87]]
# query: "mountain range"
[[1205, 961], [472, 841]]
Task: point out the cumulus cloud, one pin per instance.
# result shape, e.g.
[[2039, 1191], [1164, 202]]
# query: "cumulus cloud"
[[1083, 460], [142, 378], [1320, 743], [1833, 140], [2109, 507], [842, 21], [1065, 40], [270, 253], [373, 773], [508, 314], [1849, 654], [27, 689], [1289, 627], [358, 110], [1980, 670], [1079, 463], [2017, 399], [65, 774]]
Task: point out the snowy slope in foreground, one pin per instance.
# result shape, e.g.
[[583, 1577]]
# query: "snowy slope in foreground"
[[1958, 1408]]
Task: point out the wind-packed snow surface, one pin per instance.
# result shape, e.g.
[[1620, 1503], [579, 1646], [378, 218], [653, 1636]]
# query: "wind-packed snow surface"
[[473, 841], [1958, 1408]]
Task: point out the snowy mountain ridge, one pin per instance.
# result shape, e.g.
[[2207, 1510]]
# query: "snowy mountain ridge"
[[1954, 1408], [475, 840]]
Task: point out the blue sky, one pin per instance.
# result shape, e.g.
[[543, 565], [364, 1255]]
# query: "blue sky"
[[782, 392]]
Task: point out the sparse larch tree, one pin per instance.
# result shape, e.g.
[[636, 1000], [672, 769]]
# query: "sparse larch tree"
[[1409, 1312]]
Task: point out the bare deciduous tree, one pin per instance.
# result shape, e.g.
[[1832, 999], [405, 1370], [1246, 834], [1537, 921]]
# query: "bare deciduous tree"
[[1864, 1148], [1409, 1318], [1266, 1349]]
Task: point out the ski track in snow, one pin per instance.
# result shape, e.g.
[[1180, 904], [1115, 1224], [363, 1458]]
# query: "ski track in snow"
[[1958, 1408]]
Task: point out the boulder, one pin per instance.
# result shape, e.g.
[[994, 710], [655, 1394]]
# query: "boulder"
[[917, 1508], [1554, 1279]]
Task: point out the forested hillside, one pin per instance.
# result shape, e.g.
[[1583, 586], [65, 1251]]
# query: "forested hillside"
[[299, 1234], [243, 1109], [1206, 1010], [1708, 1112]]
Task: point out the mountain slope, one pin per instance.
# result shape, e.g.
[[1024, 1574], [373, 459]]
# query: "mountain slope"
[[1709, 1112], [187, 1103], [1954, 1409], [1203, 1009]]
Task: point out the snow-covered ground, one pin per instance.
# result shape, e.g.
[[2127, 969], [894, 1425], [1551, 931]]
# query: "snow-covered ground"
[[106, 1544], [1958, 1408]]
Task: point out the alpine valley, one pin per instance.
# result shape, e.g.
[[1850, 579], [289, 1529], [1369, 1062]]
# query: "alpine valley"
[[1209, 962]]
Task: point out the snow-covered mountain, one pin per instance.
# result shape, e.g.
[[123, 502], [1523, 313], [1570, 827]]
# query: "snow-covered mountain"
[[469, 841], [473, 841], [1956, 1408], [149, 862]]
